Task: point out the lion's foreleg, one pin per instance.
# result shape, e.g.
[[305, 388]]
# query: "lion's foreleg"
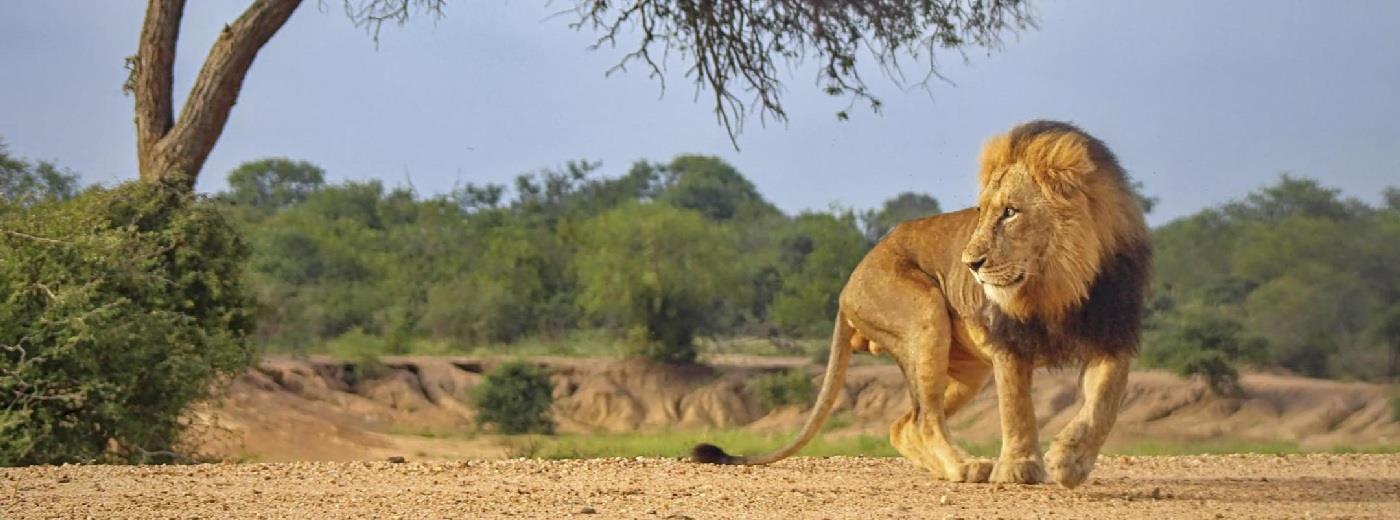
[[1020, 461], [1076, 447]]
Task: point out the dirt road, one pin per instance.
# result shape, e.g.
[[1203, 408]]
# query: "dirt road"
[[1303, 486]]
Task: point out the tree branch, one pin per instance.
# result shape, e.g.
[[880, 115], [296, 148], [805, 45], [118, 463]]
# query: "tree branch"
[[732, 47], [216, 88], [152, 76]]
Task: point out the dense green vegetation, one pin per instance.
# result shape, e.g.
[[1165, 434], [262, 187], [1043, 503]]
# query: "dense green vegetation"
[[1293, 276], [118, 308], [653, 258], [515, 398]]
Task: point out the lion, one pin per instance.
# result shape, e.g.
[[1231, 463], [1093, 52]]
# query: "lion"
[[1051, 268]]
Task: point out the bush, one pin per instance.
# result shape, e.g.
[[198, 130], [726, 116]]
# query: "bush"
[[783, 388], [1202, 342], [1218, 372], [515, 397], [657, 272], [117, 310]]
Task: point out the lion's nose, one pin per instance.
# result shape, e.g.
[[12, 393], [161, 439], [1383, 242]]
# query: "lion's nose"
[[974, 265]]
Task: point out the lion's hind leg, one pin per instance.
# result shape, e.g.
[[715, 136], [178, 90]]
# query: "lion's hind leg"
[[918, 336], [967, 374]]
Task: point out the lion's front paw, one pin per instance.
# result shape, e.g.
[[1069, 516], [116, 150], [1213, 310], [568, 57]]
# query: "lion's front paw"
[[1027, 470], [971, 470], [1069, 464]]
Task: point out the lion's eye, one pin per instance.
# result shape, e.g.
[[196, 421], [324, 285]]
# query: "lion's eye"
[[1009, 212]]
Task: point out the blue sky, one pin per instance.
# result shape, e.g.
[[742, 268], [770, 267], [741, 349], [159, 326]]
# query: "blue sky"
[[1202, 101]]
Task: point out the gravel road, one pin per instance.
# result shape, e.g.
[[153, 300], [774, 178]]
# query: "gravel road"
[[1232, 486]]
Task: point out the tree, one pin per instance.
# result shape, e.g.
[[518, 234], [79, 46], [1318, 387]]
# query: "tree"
[[1293, 196], [23, 183], [1388, 330], [172, 150], [715, 189], [731, 47], [502, 293], [818, 253], [657, 272], [1202, 342], [274, 183], [905, 206]]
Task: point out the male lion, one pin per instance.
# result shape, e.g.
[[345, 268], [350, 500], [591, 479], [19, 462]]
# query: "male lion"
[[1050, 268]]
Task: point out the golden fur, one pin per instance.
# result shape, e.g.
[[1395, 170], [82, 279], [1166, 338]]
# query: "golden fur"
[[1050, 268]]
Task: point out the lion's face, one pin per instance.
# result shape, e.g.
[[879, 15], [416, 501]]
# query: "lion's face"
[[1053, 203], [1015, 225]]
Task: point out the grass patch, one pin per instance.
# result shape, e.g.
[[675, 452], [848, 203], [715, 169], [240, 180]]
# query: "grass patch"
[[678, 444], [429, 433], [757, 346], [579, 343]]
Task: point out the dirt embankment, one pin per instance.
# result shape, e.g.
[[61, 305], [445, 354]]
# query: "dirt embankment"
[[321, 409]]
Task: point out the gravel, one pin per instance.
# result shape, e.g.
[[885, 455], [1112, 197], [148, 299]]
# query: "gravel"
[[1229, 486]]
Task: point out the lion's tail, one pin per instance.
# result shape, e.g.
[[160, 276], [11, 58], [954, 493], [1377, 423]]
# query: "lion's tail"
[[826, 400]]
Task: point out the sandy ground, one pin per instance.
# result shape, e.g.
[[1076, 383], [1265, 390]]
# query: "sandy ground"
[[1232, 486]]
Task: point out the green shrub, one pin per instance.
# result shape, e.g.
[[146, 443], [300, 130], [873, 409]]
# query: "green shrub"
[[1202, 342], [118, 308], [1218, 372], [515, 397], [783, 388]]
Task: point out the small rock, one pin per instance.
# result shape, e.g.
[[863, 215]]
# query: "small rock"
[[1156, 493], [943, 500], [588, 511], [396, 459]]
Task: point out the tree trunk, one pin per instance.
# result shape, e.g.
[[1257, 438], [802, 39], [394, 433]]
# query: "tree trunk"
[[170, 150]]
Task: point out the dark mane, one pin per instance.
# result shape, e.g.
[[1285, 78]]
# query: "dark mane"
[[1108, 322]]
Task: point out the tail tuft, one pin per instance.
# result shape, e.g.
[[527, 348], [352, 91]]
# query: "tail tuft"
[[710, 454]]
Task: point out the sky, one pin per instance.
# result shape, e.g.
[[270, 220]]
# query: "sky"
[[1202, 101]]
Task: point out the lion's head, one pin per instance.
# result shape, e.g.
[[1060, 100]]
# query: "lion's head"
[[1054, 206]]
